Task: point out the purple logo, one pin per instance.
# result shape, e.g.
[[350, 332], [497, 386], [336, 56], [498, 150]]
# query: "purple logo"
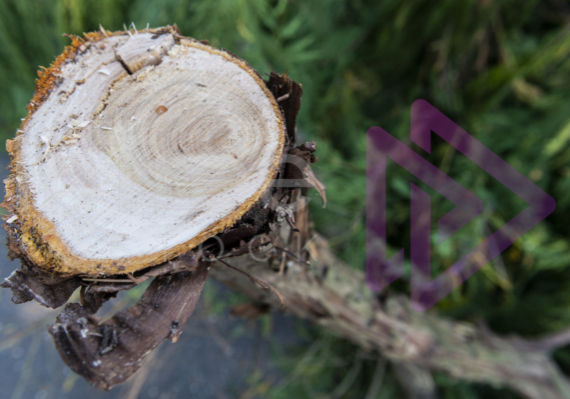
[[425, 292]]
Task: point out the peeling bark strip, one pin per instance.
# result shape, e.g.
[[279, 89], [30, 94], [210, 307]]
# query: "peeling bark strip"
[[109, 353], [31, 283], [141, 147]]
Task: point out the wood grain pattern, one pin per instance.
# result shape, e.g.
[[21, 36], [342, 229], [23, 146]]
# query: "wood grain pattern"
[[144, 145]]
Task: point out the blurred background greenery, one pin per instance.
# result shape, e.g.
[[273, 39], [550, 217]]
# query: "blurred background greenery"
[[500, 69]]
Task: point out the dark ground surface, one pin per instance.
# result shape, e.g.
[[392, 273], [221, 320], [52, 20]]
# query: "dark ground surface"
[[216, 356]]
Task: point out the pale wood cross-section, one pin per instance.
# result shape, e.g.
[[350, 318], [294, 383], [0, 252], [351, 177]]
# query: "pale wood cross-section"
[[142, 146]]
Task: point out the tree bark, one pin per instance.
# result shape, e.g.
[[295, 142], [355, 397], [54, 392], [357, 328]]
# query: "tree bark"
[[334, 296], [265, 235]]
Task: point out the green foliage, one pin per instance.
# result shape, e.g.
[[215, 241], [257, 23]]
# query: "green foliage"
[[331, 368], [500, 69]]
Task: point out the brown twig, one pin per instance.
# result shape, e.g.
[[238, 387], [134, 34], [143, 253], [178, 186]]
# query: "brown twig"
[[260, 282], [108, 280], [553, 341]]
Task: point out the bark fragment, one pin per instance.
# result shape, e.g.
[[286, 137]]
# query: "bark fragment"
[[109, 353], [31, 283]]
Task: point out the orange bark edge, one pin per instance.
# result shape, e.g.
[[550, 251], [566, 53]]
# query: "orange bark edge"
[[34, 238]]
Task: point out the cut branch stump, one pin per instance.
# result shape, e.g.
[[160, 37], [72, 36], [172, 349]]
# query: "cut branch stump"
[[151, 155]]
